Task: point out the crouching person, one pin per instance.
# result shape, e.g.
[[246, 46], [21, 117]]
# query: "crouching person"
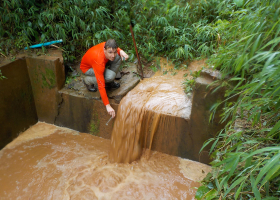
[[101, 64]]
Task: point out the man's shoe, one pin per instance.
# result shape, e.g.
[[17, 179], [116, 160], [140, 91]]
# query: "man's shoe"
[[90, 88], [113, 85]]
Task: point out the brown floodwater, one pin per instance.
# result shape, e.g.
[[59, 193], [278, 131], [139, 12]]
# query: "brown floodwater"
[[146, 108], [50, 162]]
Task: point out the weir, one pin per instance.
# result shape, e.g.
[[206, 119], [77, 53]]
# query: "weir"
[[150, 110], [154, 116], [34, 91]]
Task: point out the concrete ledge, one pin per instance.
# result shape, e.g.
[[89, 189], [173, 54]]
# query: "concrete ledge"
[[47, 77], [84, 114]]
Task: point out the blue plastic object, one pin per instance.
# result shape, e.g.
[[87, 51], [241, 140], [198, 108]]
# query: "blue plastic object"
[[43, 44]]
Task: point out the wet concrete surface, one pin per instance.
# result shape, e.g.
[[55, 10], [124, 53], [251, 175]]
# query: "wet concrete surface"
[[50, 162]]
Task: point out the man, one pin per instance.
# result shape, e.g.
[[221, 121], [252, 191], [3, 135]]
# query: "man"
[[93, 66]]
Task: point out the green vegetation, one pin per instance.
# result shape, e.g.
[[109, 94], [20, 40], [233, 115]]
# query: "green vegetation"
[[1, 76], [240, 38], [94, 125], [247, 160], [160, 28], [190, 83]]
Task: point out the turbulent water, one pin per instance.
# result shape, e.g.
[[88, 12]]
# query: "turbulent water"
[[49, 162], [141, 112]]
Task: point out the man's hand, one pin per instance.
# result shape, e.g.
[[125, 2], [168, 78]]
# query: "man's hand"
[[123, 55], [110, 110]]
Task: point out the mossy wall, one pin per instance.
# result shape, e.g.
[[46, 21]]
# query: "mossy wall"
[[47, 78]]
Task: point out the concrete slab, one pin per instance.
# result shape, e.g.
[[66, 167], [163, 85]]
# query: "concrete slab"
[[47, 78]]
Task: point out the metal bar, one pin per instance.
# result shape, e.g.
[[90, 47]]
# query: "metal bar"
[[108, 121], [139, 61]]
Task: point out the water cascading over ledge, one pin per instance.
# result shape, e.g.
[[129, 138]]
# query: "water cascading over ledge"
[[42, 79]]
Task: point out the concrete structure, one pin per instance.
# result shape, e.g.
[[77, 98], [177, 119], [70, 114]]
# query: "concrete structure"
[[34, 91], [17, 106]]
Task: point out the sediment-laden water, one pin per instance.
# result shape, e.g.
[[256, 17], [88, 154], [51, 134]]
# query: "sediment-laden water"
[[49, 162], [142, 111]]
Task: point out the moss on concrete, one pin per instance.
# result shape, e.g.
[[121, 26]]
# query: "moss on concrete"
[[48, 78], [94, 125]]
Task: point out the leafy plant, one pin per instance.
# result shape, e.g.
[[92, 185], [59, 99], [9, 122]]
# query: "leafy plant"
[[1, 76], [246, 161], [190, 83]]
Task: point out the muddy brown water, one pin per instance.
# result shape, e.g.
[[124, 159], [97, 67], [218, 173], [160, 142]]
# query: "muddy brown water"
[[141, 112], [50, 162], [145, 108]]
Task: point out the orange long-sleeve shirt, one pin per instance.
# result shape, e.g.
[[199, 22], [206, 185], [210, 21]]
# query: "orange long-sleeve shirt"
[[95, 58]]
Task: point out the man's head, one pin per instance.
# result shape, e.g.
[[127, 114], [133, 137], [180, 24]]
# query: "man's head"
[[110, 49]]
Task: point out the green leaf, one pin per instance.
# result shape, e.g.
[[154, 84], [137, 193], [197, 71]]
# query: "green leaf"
[[201, 191], [271, 198], [274, 129], [255, 45], [238, 191], [260, 151], [235, 183], [239, 3], [206, 143], [211, 194], [266, 169], [274, 41], [234, 166], [254, 188]]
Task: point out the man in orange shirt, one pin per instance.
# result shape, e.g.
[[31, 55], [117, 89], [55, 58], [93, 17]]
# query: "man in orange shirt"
[[94, 64]]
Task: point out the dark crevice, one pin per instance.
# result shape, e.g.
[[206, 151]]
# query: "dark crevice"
[[58, 107]]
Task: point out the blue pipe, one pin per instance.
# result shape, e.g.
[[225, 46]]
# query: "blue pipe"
[[44, 44]]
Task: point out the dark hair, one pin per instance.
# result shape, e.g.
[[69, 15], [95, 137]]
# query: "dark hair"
[[111, 43]]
